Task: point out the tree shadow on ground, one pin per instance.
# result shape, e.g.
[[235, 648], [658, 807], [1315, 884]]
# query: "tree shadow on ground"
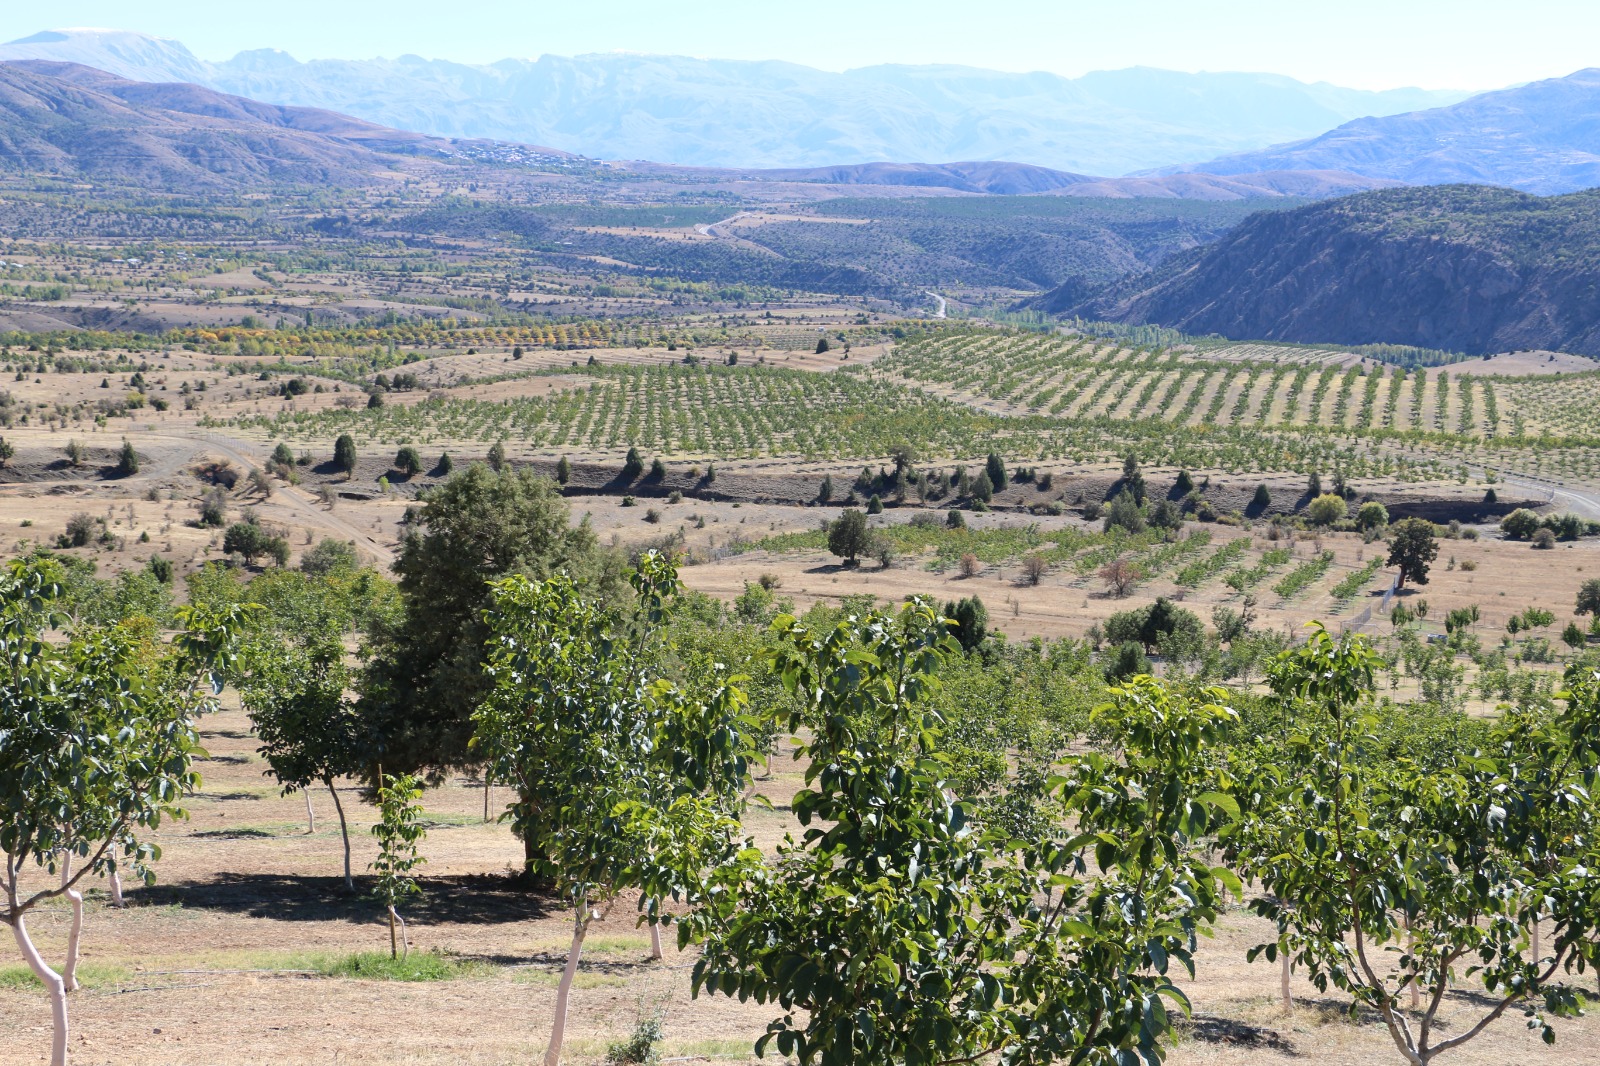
[[1230, 1032], [469, 899]]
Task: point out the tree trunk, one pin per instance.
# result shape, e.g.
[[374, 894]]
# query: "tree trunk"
[[69, 972], [486, 795], [311, 815], [1416, 990], [558, 1027], [344, 831], [1534, 933], [116, 889], [655, 940], [394, 947], [405, 941], [1283, 979], [54, 986]]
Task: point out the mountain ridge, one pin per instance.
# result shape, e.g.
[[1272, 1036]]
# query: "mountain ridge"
[[769, 113], [1468, 268], [1542, 137]]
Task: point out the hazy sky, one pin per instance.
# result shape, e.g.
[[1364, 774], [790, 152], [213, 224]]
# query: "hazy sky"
[[1467, 44]]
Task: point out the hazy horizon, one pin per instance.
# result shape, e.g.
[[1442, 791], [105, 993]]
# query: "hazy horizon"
[[1370, 45]]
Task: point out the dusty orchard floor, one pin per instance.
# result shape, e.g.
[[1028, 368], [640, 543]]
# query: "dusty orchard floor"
[[199, 971]]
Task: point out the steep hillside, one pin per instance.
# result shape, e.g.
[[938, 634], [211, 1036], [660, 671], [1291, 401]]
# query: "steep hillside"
[[708, 112], [1460, 267], [67, 120], [1543, 137]]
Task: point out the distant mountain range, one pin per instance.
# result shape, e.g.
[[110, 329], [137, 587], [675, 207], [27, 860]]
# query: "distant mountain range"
[[1543, 137], [63, 119], [726, 113], [1466, 268]]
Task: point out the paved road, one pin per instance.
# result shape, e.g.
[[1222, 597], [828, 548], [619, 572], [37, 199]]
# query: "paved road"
[[710, 230]]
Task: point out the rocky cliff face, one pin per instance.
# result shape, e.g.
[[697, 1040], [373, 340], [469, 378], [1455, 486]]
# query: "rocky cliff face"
[[1463, 268]]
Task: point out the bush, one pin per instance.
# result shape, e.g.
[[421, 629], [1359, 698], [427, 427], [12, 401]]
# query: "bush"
[[81, 530], [214, 507], [875, 505], [1372, 515], [1126, 514], [127, 460], [330, 556], [1128, 660], [408, 461], [1326, 509], [954, 519], [1544, 539], [1033, 568], [1520, 524]]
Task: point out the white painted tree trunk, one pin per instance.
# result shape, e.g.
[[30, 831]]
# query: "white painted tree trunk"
[[1534, 933], [69, 972], [344, 831], [486, 795], [558, 1027], [311, 815], [655, 940], [116, 889], [55, 987]]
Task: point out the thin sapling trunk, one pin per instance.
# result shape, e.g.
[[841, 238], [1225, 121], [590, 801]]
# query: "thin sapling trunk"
[[311, 815], [69, 971], [655, 940], [558, 1028], [344, 831]]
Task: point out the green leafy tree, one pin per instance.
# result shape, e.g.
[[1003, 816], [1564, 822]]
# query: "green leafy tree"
[[563, 470], [848, 535], [1589, 597], [1386, 876], [1413, 548], [1326, 509], [97, 742], [623, 780], [344, 454], [982, 487], [875, 505], [995, 467], [970, 620], [1520, 524], [408, 461], [309, 730], [902, 929], [497, 456], [1261, 500], [427, 671], [127, 460], [1372, 515], [282, 454], [632, 465], [446, 465], [8, 451], [1125, 513], [399, 830]]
